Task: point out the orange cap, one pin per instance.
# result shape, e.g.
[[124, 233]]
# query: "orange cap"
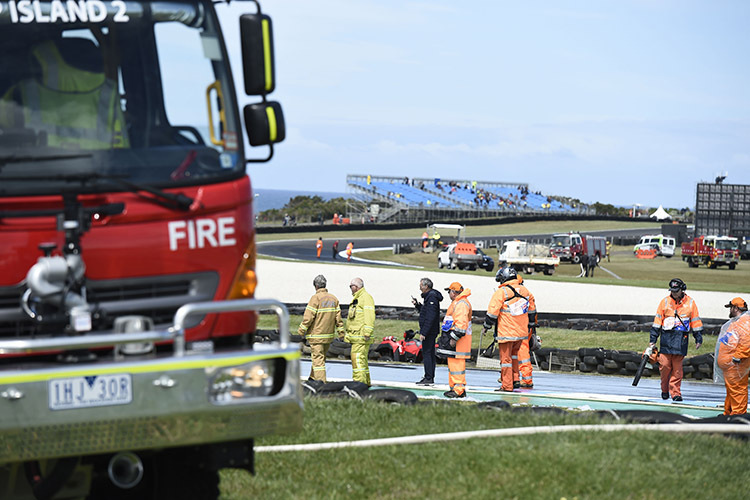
[[738, 303], [455, 286]]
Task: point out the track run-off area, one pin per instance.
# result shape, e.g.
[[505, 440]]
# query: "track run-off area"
[[288, 278]]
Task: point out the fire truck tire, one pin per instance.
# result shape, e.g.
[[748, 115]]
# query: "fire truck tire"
[[576, 259], [691, 263], [732, 266], [393, 396]]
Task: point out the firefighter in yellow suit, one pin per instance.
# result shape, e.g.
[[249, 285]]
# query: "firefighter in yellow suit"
[[455, 340], [360, 324], [322, 316], [91, 117]]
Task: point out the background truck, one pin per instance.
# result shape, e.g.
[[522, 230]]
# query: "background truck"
[[127, 262], [527, 257], [570, 246], [711, 251], [463, 255]]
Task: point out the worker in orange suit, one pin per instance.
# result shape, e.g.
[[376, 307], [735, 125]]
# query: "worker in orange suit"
[[319, 245], [676, 317], [349, 248], [455, 340], [508, 316], [524, 379], [733, 359]]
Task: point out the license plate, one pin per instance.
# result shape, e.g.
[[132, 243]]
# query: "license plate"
[[90, 391]]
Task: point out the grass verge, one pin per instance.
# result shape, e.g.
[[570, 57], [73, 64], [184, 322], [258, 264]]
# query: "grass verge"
[[583, 465]]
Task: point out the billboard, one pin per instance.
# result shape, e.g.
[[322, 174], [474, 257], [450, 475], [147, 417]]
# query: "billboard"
[[722, 209]]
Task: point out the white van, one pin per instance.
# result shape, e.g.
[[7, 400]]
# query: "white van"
[[664, 245]]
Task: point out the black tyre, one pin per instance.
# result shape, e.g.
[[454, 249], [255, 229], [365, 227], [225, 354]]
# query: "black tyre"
[[588, 351], [652, 417], [587, 368], [393, 396], [612, 364], [499, 405], [706, 368], [604, 370], [591, 360], [707, 358], [343, 389], [577, 259], [732, 266], [386, 358], [549, 271], [631, 366], [625, 356], [688, 369]]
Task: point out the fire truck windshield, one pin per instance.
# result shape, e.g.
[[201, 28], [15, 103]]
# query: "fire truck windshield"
[[727, 244], [561, 240], [137, 90]]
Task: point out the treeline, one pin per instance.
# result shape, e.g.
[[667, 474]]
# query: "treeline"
[[305, 209]]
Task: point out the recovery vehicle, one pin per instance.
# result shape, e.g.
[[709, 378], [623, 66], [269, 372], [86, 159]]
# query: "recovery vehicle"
[[527, 257], [711, 251], [127, 250]]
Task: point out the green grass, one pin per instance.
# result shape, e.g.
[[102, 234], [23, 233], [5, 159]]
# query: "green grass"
[[471, 231], [551, 337], [583, 465]]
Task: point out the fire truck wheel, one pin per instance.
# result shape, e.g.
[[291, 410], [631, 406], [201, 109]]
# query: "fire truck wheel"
[[576, 259], [732, 266]]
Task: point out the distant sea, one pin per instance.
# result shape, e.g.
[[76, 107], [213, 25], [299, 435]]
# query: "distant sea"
[[266, 199]]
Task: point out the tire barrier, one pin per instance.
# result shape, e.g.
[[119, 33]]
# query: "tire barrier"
[[359, 391], [613, 362]]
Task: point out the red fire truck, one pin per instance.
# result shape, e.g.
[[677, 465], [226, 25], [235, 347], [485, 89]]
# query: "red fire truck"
[[712, 251], [570, 246], [127, 253]]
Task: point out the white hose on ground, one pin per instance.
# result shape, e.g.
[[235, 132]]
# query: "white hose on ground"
[[515, 431]]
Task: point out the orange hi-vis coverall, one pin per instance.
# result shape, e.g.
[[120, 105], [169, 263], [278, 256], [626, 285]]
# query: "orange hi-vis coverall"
[[509, 314], [319, 246], [734, 362], [459, 315], [673, 321], [349, 248], [322, 317]]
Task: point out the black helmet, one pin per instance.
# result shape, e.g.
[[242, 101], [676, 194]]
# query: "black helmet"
[[676, 285], [506, 273]]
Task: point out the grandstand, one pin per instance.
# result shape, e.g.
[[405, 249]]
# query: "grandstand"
[[404, 199]]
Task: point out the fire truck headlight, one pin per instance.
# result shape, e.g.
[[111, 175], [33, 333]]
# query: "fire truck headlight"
[[237, 383]]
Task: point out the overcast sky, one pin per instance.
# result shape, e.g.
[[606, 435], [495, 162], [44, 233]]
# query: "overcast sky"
[[621, 102]]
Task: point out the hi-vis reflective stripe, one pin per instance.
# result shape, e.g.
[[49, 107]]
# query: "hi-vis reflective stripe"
[[459, 353], [267, 53], [271, 124], [319, 368], [43, 376], [462, 372], [508, 339], [506, 365], [526, 360], [321, 336]]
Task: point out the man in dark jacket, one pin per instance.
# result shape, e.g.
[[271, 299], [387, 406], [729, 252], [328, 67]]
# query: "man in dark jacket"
[[429, 327]]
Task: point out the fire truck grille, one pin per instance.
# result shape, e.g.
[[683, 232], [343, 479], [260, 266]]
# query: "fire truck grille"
[[158, 298]]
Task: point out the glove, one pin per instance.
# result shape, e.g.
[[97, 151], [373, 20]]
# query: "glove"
[[453, 343], [489, 323]]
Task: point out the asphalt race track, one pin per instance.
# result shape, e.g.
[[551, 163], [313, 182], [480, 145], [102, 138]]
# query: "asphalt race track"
[[305, 249]]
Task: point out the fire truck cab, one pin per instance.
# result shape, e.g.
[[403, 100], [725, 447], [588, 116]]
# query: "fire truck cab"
[[127, 250]]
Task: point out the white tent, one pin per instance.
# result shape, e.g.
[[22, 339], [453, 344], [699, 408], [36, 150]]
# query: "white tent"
[[660, 214]]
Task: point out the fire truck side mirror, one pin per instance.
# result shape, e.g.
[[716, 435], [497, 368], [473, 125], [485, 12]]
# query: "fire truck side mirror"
[[257, 54], [265, 123]]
